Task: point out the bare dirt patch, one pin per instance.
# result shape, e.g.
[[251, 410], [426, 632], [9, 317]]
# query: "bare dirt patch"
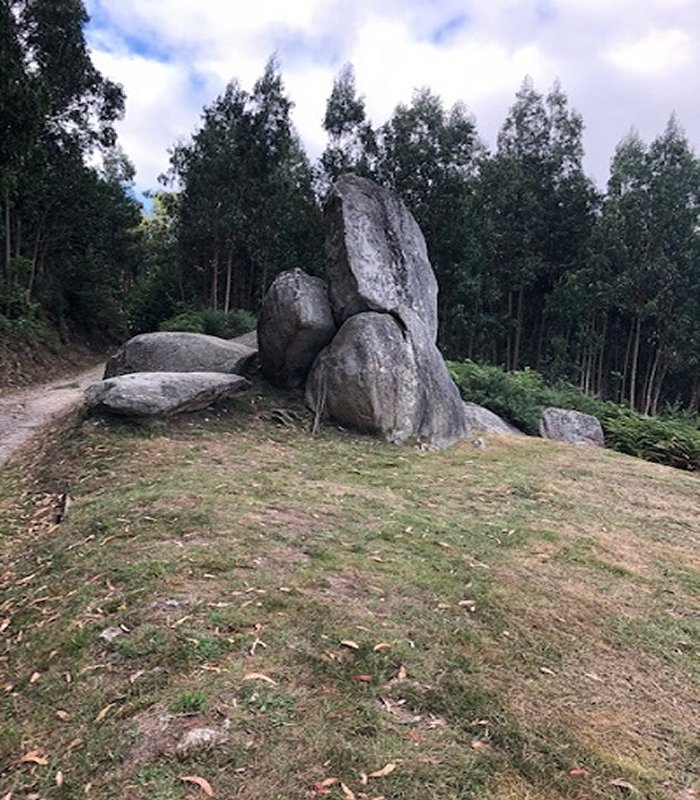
[[26, 413]]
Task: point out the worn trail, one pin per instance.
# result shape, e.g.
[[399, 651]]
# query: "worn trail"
[[26, 413]]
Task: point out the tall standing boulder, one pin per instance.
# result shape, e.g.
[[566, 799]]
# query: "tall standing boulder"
[[377, 259], [296, 323], [380, 377]]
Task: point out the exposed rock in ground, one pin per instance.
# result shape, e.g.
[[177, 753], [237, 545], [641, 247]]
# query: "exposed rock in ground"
[[161, 393], [481, 419], [381, 378], [197, 739], [376, 253], [565, 425], [296, 323], [176, 351]]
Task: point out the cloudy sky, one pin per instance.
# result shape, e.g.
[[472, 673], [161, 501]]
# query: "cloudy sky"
[[623, 63]]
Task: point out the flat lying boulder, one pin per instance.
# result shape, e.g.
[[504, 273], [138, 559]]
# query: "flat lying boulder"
[[175, 351], [377, 259], [143, 394], [565, 425], [296, 323], [249, 339], [381, 378], [481, 419]]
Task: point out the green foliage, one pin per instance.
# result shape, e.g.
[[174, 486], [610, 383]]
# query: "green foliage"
[[225, 325], [521, 396], [189, 702]]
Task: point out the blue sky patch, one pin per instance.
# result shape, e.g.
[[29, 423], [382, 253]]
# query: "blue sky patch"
[[450, 29]]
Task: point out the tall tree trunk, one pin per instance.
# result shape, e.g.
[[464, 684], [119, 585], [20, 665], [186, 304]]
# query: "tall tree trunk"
[[509, 361], [7, 261], [650, 383], [600, 370], [227, 292], [634, 367], [32, 270], [215, 281], [657, 390], [519, 327]]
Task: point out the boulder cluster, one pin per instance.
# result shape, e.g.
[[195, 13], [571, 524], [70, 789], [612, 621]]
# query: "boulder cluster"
[[362, 345]]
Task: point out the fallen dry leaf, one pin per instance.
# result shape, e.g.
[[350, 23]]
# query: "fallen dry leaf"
[[103, 713], [35, 677], [363, 678], [381, 646], [323, 787], [387, 769], [259, 676], [547, 671], [204, 785], [59, 778], [34, 757], [64, 716], [347, 792], [624, 785], [350, 643], [578, 772], [401, 674]]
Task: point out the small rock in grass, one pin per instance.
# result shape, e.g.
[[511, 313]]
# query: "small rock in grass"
[[110, 634], [198, 739]]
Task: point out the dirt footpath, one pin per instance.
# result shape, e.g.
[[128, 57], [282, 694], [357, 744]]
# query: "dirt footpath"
[[26, 413]]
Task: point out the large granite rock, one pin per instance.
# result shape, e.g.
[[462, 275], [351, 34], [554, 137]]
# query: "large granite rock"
[[143, 394], [565, 425], [481, 419], [167, 351], [376, 254], [296, 323], [384, 378], [249, 339]]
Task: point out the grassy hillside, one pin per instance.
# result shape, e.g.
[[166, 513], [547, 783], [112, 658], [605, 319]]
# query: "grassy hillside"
[[348, 618]]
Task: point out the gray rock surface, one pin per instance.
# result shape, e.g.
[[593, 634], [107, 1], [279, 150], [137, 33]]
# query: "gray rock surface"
[[481, 419], [378, 377], [172, 351], [249, 339], [142, 394], [565, 425], [296, 323], [377, 259]]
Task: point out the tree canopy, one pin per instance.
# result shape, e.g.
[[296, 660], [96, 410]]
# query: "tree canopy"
[[537, 267]]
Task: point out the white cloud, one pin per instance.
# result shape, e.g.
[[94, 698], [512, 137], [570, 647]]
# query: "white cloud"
[[654, 54], [622, 62]]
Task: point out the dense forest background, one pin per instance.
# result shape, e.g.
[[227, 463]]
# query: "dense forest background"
[[537, 267]]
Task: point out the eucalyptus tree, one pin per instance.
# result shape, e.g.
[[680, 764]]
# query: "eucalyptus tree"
[[429, 155], [651, 213], [352, 145], [57, 110], [539, 209], [247, 209]]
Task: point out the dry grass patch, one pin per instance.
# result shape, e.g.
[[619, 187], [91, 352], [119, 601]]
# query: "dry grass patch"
[[513, 622]]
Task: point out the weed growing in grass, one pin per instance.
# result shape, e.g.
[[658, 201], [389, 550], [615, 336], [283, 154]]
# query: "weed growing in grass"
[[189, 702]]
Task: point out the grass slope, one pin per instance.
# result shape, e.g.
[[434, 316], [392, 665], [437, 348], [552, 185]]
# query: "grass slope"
[[349, 618]]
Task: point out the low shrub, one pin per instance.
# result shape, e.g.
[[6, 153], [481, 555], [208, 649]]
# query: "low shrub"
[[225, 325], [521, 396]]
